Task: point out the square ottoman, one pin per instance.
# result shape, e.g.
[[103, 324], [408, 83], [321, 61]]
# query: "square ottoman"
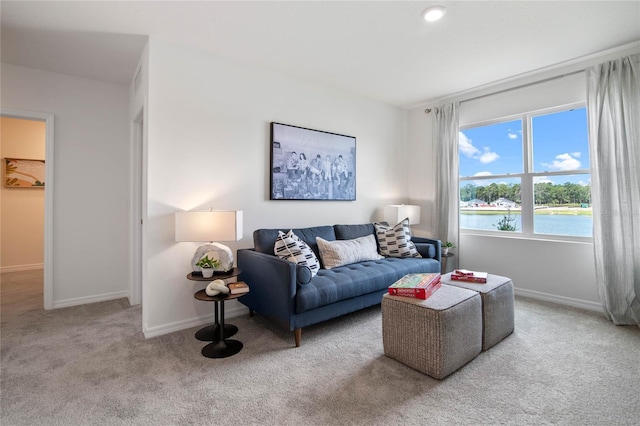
[[436, 336], [497, 306]]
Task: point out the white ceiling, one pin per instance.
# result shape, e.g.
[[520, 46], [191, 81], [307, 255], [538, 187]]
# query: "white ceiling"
[[380, 49]]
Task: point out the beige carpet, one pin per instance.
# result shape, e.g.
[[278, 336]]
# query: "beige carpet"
[[90, 365]]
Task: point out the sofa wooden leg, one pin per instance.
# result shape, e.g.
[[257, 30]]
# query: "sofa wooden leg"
[[298, 335], [251, 312]]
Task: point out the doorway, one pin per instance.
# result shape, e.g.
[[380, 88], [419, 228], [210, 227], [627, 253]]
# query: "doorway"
[[47, 119]]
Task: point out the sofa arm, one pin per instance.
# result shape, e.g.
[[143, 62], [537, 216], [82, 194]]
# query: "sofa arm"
[[425, 245], [272, 285]]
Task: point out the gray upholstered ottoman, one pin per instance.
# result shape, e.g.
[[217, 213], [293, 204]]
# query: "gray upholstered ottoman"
[[436, 336], [497, 306]]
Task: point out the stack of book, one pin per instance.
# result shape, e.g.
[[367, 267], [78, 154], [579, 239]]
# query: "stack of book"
[[420, 286], [469, 276]]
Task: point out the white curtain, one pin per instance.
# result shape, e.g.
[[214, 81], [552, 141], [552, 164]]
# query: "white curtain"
[[445, 136], [613, 102]]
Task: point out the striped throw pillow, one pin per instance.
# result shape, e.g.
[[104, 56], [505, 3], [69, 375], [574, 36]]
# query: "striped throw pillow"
[[290, 247], [396, 241]]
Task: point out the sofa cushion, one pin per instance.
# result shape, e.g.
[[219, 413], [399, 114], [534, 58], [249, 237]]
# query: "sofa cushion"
[[425, 249], [349, 232], [289, 247], [303, 275], [343, 252], [396, 241], [265, 239], [357, 279]]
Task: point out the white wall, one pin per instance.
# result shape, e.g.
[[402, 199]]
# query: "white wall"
[[90, 217], [558, 271], [422, 166], [22, 209], [208, 146]]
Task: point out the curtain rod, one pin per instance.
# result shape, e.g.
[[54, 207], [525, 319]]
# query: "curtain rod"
[[522, 86]]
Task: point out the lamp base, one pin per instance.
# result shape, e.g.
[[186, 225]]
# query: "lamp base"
[[216, 251]]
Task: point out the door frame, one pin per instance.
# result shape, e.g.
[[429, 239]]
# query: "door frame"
[[137, 210], [48, 195]]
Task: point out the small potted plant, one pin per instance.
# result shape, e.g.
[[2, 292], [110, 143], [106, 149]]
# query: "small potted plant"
[[446, 246], [207, 264]]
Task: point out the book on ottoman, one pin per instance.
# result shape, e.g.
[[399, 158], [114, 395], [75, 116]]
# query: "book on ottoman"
[[469, 276], [420, 286]]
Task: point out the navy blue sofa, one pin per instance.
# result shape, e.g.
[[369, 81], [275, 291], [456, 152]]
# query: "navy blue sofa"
[[285, 292]]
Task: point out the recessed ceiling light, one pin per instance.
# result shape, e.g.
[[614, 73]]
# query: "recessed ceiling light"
[[433, 13]]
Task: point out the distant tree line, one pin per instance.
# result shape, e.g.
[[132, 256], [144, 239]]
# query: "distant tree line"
[[545, 193]]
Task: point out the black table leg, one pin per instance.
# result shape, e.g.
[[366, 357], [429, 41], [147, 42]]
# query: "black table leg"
[[211, 333], [221, 348]]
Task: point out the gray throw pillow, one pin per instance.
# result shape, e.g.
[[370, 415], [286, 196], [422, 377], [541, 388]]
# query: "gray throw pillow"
[[343, 252]]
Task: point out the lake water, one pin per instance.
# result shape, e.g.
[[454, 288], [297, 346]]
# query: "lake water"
[[577, 226]]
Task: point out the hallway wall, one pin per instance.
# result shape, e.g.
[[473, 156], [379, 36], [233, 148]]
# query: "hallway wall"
[[90, 217]]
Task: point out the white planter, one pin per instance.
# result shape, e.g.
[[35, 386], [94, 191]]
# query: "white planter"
[[445, 250], [207, 272]]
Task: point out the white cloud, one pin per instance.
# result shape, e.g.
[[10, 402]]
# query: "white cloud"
[[482, 182], [541, 179], [563, 162], [488, 156], [465, 145], [513, 134], [576, 154]]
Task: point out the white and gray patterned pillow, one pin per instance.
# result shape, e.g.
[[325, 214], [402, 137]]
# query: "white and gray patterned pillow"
[[343, 252], [396, 241], [290, 247]]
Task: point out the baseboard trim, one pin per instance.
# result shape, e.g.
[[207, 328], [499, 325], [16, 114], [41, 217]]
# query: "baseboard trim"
[[22, 268], [230, 312], [561, 300], [65, 303]]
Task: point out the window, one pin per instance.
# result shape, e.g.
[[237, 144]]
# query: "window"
[[528, 174]]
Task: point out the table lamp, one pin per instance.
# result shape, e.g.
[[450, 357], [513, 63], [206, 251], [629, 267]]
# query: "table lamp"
[[201, 226], [396, 213]]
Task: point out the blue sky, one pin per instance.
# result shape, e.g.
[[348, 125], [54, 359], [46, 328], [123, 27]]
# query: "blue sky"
[[560, 143]]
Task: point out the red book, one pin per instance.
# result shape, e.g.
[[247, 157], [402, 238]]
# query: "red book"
[[474, 277], [462, 272], [420, 286]]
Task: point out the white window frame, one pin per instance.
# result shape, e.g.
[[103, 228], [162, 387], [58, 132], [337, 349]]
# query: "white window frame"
[[526, 177]]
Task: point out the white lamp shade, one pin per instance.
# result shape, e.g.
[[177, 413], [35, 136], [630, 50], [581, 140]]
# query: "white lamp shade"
[[209, 226], [396, 213]]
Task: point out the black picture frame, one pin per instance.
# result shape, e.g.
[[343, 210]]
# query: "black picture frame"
[[309, 164]]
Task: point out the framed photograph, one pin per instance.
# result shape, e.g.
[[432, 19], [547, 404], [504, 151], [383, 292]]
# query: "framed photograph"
[[21, 173], [312, 165]]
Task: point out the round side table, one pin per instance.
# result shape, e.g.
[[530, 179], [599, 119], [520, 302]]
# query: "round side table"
[[210, 333], [220, 346]]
